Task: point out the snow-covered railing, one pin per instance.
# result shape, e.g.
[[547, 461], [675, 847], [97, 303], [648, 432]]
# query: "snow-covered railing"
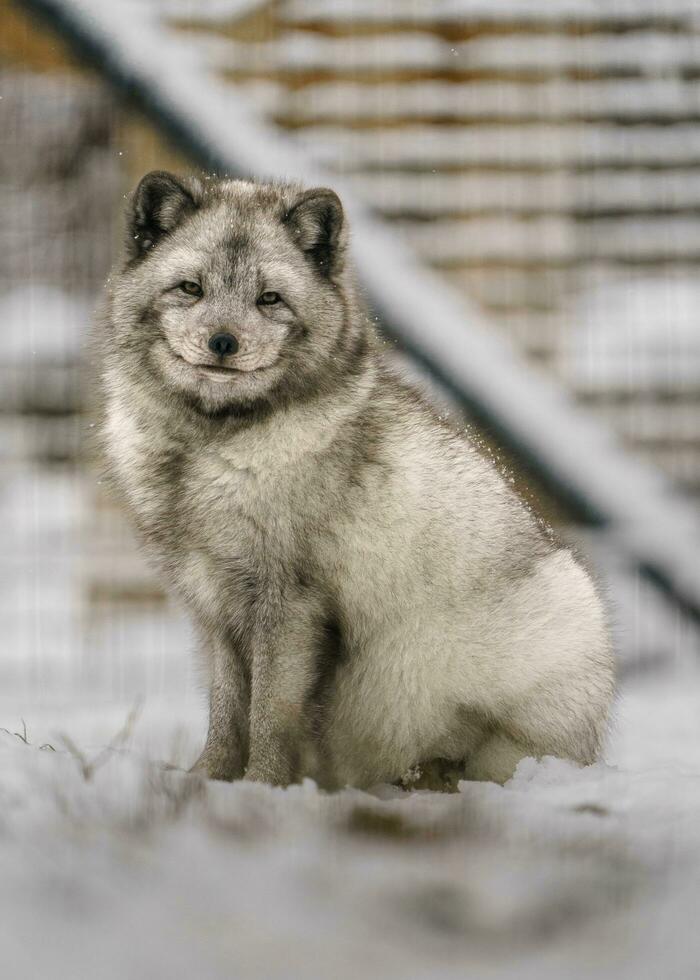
[[161, 70]]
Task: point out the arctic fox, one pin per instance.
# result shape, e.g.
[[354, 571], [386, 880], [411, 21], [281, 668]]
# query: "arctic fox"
[[371, 596]]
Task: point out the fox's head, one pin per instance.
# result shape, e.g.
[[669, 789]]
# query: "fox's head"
[[235, 294]]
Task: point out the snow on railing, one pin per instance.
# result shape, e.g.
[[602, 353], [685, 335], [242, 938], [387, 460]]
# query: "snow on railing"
[[164, 72]]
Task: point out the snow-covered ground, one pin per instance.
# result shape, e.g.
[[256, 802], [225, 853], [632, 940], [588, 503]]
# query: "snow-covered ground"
[[114, 866]]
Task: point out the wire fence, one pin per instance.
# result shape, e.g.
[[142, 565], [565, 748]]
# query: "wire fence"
[[545, 162]]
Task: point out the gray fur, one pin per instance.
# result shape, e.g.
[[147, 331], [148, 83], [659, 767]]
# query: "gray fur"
[[370, 594]]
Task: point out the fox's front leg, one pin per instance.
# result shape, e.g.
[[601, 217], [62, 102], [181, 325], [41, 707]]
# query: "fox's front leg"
[[283, 673], [225, 753]]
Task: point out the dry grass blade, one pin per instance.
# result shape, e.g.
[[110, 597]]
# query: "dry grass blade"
[[24, 738], [88, 767]]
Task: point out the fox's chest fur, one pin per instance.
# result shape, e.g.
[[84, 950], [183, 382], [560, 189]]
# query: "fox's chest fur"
[[216, 522], [265, 514]]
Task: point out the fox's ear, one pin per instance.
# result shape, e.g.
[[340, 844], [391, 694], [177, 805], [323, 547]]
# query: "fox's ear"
[[317, 224], [159, 203]]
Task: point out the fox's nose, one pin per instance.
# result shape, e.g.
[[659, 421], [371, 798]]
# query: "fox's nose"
[[223, 344]]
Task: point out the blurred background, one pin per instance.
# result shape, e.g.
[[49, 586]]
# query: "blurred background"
[[539, 161]]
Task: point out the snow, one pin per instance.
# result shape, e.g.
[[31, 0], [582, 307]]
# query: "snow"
[[522, 11], [591, 144], [43, 319], [553, 238], [300, 51], [552, 191], [632, 336], [594, 52], [212, 11], [637, 100], [460, 241], [507, 54], [135, 870]]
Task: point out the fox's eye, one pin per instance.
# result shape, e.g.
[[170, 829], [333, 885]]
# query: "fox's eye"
[[269, 298], [191, 288]]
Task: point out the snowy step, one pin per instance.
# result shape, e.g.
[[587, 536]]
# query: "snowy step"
[[355, 13], [603, 190], [553, 239], [546, 146], [211, 11], [649, 420], [462, 241], [40, 388], [303, 53], [650, 51], [638, 99], [644, 238], [643, 382], [536, 334], [114, 568], [535, 288], [120, 576], [512, 288], [40, 438], [544, 289], [681, 464]]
